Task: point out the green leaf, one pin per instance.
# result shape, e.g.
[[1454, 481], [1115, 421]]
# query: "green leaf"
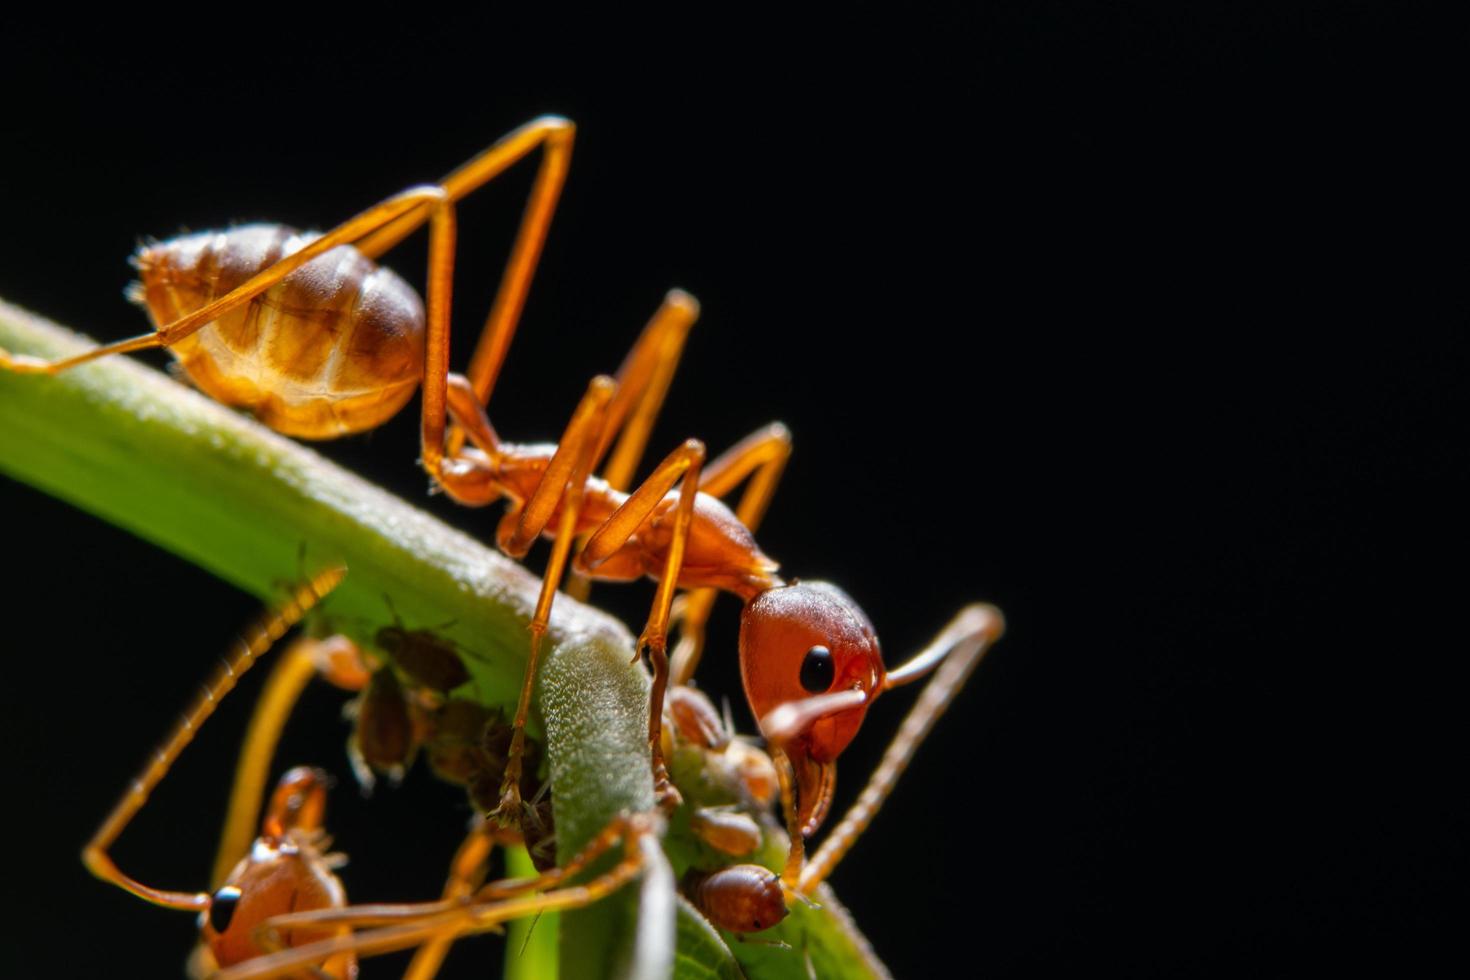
[[702, 954]]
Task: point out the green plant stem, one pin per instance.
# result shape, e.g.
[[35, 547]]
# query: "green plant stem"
[[130, 445]]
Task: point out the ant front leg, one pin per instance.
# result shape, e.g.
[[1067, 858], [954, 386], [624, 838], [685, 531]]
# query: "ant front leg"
[[682, 466]]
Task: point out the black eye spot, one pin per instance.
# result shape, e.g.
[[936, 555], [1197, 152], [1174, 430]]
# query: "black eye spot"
[[222, 908], [816, 669]]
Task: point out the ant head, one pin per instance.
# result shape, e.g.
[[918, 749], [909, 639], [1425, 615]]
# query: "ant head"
[[811, 666], [285, 871]]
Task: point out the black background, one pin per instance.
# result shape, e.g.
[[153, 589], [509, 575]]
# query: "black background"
[[1112, 316]]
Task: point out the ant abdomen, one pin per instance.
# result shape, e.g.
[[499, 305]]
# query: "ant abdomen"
[[335, 347]]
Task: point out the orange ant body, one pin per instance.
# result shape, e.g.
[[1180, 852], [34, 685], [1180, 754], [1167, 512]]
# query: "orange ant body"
[[316, 339]]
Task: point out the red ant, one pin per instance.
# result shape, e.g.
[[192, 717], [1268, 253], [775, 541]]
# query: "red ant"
[[317, 340]]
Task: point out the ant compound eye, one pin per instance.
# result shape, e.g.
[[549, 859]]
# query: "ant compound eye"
[[222, 908], [816, 669]]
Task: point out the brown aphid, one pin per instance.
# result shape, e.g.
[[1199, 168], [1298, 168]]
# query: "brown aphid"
[[340, 662], [695, 717], [539, 833], [453, 746], [425, 658], [755, 770], [382, 740], [726, 830], [742, 898]]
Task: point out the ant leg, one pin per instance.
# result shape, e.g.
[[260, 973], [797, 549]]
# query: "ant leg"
[[560, 489], [643, 382], [470, 475], [436, 338], [685, 463], [410, 925], [762, 456], [553, 133], [256, 641], [294, 669], [956, 651], [346, 233], [466, 874]]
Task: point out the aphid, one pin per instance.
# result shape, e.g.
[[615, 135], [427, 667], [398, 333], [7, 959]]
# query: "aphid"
[[725, 829], [382, 736], [426, 658], [742, 898], [288, 867]]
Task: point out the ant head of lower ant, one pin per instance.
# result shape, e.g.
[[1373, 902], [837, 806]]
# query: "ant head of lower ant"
[[811, 666], [285, 871]]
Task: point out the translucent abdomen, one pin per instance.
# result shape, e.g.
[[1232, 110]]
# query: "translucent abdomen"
[[334, 348]]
